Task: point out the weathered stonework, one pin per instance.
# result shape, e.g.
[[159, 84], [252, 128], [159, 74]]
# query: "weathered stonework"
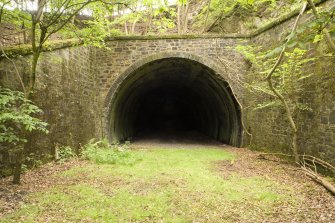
[[66, 91], [316, 128], [75, 86], [126, 56], [124, 53], [73, 83]]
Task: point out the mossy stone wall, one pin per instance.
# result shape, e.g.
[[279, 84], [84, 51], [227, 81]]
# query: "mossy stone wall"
[[73, 85], [270, 127], [66, 91]]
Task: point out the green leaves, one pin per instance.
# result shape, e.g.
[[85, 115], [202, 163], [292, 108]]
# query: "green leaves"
[[16, 117], [318, 38], [101, 152], [289, 79], [274, 52], [65, 153]]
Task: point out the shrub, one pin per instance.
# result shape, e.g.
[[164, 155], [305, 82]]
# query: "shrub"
[[100, 151], [64, 153], [17, 121], [32, 161], [17, 117]]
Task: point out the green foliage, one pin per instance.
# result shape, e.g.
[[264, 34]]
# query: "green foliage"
[[102, 152], [65, 153], [289, 78], [163, 17], [95, 30], [16, 121], [220, 9], [17, 117], [164, 24], [58, 16], [148, 12], [311, 32], [32, 161], [14, 13], [24, 168]]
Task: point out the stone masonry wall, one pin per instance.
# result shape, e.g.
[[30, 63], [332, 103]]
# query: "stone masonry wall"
[[316, 127], [66, 92], [73, 83], [123, 54], [112, 63]]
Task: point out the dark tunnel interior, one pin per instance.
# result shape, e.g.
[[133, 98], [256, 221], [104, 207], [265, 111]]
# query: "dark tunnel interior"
[[174, 97]]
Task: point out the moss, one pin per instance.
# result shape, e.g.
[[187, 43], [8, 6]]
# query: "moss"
[[281, 20], [25, 49], [176, 36]]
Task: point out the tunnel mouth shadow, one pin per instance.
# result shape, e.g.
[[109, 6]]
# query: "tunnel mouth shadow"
[[173, 99], [184, 137]]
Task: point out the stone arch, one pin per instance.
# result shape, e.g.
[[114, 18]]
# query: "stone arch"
[[225, 127]]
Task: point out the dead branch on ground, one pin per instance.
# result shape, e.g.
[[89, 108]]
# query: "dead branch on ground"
[[308, 165]]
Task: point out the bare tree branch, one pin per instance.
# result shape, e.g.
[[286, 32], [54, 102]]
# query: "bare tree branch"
[[279, 95], [310, 168], [15, 68]]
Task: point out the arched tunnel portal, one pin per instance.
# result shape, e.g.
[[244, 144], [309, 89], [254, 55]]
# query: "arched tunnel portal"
[[173, 95]]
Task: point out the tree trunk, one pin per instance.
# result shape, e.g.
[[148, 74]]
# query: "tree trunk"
[[325, 30], [185, 17], [2, 9], [295, 145], [1, 12], [133, 26], [289, 116], [147, 26], [178, 18], [125, 28], [281, 97], [207, 14], [18, 167], [148, 23], [319, 179], [32, 75]]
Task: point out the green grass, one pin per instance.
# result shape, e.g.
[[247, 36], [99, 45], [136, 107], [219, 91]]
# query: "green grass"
[[162, 185]]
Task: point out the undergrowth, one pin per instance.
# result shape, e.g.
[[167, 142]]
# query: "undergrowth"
[[102, 152], [165, 184]]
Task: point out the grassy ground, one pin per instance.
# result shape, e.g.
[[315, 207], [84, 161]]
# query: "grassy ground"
[[165, 185]]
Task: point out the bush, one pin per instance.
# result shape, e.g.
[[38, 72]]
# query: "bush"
[[17, 117], [65, 153], [33, 161], [17, 121], [100, 151]]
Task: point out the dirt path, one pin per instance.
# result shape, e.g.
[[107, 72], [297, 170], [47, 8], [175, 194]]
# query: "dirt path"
[[169, 182]]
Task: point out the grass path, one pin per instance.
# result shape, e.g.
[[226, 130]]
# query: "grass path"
[[167, 184]]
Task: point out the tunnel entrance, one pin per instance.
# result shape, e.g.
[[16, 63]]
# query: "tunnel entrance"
[[173, 97]]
